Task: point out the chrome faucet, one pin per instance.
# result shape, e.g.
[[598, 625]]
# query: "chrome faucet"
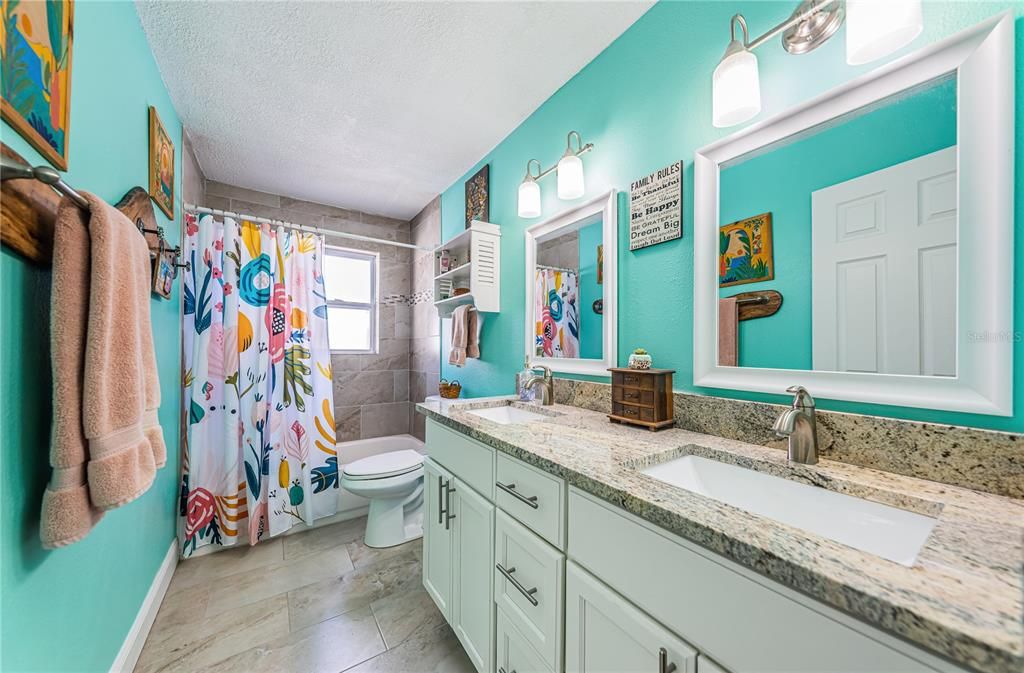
[[547, 397], [799, 425]]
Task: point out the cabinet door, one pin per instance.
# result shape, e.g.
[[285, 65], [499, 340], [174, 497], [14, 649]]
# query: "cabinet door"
[[515, 654], [437, 537], [472, 616], [604, 633]]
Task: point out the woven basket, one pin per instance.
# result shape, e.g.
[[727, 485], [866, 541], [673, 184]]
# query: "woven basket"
[[449, 391]]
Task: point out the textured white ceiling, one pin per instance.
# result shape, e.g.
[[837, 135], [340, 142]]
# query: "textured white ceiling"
[[374, 106]]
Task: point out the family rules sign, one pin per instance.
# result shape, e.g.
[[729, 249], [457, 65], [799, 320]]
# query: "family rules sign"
[[656, 207]]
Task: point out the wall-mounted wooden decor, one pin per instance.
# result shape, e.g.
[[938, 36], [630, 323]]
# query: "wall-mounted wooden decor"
[[28, 210], [758, 304]]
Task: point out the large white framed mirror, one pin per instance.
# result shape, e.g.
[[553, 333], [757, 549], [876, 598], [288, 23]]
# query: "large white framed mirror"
[[890, 237], [571, 289]]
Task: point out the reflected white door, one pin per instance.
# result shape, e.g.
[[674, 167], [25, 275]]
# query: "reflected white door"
[[884, 270]]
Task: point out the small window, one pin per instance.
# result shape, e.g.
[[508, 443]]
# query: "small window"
[[350, 282]]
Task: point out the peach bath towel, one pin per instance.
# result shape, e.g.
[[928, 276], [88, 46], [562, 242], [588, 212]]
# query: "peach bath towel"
[[107, 442], [465, 335]]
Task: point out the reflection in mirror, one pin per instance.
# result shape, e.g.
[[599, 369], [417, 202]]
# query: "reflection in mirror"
[[854, 223], [568, 292]]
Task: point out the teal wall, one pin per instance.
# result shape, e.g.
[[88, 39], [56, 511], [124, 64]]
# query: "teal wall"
[[590, 322], [70, 609], [781, 182], [645, 102]]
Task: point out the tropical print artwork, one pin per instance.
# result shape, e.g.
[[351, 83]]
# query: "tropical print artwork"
[[259, 453], [35, 73], [556, 313], [745, 251], [161, 165]]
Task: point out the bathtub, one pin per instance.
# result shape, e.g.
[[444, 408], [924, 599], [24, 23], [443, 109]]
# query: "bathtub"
[[352, 506]]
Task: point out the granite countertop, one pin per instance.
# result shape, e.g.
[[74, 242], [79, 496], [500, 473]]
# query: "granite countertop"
[[963, 598]]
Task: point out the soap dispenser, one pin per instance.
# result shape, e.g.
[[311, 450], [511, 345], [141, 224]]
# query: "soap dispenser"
[[522, 392]]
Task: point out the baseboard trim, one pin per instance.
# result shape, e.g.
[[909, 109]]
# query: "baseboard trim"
[[136, 638]]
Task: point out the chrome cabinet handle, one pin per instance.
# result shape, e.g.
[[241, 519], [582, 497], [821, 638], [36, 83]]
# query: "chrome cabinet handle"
[[528, 593], [663, 665], [511, 490], [448, 516], [440, 499], [502, 670]]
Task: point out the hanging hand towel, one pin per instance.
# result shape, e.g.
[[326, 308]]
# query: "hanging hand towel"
[[107, 441], [460, 336], [728, 332]]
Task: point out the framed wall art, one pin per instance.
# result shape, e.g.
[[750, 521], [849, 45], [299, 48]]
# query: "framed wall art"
[[35, 74], [745, 252], [478, 205], [161, 165]]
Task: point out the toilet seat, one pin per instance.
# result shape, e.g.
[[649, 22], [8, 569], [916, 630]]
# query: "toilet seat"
[[384, 465]]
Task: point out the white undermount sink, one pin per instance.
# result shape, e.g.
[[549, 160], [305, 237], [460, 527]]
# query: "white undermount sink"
[[892, 533], [507, 415]]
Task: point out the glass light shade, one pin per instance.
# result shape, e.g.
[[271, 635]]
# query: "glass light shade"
[[736, 88], [877, 28], [570, 177], [529, 199]]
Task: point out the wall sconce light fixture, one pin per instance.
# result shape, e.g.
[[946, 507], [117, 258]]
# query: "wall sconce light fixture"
[[570, 177], [874, 28]]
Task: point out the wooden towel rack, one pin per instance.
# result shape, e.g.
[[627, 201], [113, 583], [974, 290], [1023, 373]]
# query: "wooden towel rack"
[[758, 304], [28, 211]]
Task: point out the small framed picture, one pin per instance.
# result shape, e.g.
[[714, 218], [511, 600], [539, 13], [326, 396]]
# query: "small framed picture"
[[163, 273], [161, 165], [478, 205], [745, 252]]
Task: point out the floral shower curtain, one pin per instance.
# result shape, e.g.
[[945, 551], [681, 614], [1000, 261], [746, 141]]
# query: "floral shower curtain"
[[556, 313], [259, 454]]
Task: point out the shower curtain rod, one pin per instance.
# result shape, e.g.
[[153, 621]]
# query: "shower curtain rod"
[[202, 210]]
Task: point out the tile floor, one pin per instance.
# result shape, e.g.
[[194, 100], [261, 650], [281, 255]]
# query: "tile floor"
[[316, 602]]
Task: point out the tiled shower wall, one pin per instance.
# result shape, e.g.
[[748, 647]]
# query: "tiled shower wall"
[[371, 392], [425, 346]]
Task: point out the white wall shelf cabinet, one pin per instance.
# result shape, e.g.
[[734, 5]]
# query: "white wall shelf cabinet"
[[477, 254]]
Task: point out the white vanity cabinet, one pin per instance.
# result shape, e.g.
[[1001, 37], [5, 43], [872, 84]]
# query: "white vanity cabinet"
[[458, 553], [437, 540], [472, 616], [535, 576], [604, 632]]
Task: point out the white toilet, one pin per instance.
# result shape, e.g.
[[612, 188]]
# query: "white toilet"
[[393, 483]]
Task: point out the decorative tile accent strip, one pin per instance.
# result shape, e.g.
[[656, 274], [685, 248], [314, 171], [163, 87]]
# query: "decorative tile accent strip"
[[982, 460], [421, 297]]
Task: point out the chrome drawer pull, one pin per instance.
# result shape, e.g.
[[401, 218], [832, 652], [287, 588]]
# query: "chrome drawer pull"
[[663, 665], [502, 670], [511, 490], [440, 499], [523, 590], [448, 505]]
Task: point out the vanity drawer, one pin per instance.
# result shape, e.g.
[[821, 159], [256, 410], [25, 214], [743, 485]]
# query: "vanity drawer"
[[633, 411], [528, 587], [515, 654], [533, 497], [742, 620], [471, 461], [633, 380], [633, 396]]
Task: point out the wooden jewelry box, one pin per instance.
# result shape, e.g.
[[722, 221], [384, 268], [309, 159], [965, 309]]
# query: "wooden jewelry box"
[[642, 397]]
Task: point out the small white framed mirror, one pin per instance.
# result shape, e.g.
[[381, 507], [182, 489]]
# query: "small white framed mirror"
[[861, 244], [571, 289]]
